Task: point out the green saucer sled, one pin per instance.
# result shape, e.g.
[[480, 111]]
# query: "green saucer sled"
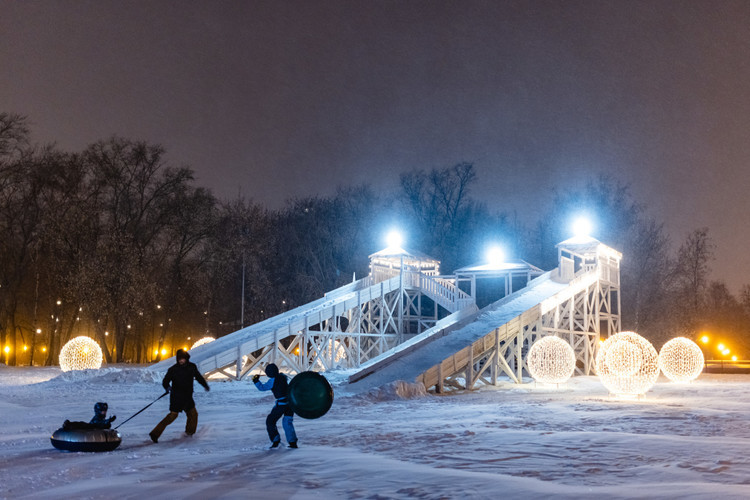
[[310, 395]]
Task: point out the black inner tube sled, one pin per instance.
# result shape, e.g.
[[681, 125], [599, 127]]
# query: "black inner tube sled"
[[85, 439]]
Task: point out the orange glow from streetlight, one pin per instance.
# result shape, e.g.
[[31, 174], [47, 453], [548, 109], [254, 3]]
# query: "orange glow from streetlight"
[[721, 347], [704, 339], [734, 358], [7, 349], [163, 352]]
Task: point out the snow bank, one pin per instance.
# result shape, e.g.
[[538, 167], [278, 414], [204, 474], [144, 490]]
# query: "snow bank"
[[110, 376], [396, 390]]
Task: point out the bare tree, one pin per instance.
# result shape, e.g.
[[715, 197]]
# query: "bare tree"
[[439, 203], [133, 183], [191, 219], [20, 218], [691, 273]]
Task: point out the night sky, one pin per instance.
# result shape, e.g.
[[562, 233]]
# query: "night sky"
[[283, 99]]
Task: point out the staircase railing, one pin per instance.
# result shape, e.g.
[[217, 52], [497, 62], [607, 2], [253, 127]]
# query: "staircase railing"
[[444, 292]]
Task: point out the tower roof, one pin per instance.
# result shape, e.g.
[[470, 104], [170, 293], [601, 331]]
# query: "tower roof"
[[398, 252], [587, 245], [512, 265]]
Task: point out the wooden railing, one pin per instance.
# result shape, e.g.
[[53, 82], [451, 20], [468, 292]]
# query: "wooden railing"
[[444, 292]]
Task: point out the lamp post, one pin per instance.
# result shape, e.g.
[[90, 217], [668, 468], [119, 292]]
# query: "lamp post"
[[242, 301]]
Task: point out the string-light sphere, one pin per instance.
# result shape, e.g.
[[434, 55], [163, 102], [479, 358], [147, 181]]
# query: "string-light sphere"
[[627, 364], [624, 359], [200, 342], [331, 349], [681, 360], [80, 353], [551, 360]]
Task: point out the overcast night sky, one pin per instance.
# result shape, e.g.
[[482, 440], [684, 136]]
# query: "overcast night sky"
[[281, 99]]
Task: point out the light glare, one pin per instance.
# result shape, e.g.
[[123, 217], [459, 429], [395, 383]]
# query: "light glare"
[[582, 227], [394, 239], [495, 256]]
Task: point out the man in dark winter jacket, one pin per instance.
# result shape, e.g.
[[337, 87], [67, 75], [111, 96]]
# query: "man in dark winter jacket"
[[277, 383], [100, 419], [181, 376]]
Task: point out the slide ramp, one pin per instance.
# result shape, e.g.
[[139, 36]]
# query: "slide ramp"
[[228, 349], [412, 365]]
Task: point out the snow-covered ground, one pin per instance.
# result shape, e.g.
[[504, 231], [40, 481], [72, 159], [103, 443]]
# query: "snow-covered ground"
[[529, 441]]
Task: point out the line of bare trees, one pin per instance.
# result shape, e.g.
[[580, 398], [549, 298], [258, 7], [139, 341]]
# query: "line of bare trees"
[[115, 243]]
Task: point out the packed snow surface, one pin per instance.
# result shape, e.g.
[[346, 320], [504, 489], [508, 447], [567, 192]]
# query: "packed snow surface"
[[395, 441]]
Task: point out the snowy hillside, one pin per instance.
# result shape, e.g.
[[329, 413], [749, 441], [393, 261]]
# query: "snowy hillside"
[[681, 441]]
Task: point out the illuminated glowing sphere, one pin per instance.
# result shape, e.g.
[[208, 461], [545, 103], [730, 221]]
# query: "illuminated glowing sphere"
[[200, 342], [331, 349], [80, 353], [624, 359], [681, 360], [551, 360], [627, 364]]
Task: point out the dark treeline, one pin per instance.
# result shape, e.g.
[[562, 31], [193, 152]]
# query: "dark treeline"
[[115, 243]]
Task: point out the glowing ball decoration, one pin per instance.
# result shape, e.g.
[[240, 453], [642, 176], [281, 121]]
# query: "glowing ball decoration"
[[80, 353], [681, 360], [627, 364], [551, 360], [624, 359], [332, 349], [200, 342]]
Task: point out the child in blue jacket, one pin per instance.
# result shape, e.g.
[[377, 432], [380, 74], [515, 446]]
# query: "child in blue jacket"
[[277, 383], [100, 419]]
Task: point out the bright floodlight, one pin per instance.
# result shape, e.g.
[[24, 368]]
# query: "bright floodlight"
[[681, 360], [582, 227], [80, 353], [627, 364], [551, 360], [394, 239], [495, 256], [204, 340]]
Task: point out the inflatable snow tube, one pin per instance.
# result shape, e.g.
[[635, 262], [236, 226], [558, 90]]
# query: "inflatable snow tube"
[[310, 395], [86, 439]]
